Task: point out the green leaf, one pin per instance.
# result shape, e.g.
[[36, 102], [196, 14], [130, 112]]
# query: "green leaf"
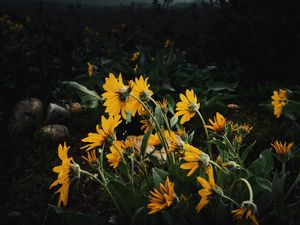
[[128, 116], [145, 143], [220, 86], [159, 176], [159, 116], [88, 97], [125, 198], [264, 183], [263, 164], [136, 214], [173, 121], [190, 137], [171, 103], [246, 152]]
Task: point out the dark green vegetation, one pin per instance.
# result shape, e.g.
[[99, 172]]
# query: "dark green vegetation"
[[253, 44]]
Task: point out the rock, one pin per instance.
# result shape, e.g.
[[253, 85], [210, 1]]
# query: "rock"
[[56, 132], [26, 117], [74, 108], [57, 114]]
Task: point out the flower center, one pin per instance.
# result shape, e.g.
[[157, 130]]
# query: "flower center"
[[193, 107], [124, 93]]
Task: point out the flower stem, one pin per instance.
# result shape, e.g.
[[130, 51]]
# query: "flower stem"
[[218, 166], [230, 199], [206, 133], [249, 188], [292, 187]]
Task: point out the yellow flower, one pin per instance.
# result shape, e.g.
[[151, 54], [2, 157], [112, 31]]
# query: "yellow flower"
[[63, 172], [238, 139], [161, 199], [90, 69], [163, 105], [154, 140], [194, 159], [279, 100], [91, 157], [208, 190], [140, 90], [182, 133], [218, 124], [246, 128], [115, 157], [188, 106], [117, 96], [245, 215], [146, 121], [282, 150], [176, 144], [105, 134], [135, 56]]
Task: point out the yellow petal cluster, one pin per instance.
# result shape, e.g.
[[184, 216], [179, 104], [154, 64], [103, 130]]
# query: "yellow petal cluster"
[[117, 95], [90, 69], [91, 157], [162, 198], [140, 90], [279, 100], [194, 159], [63, 172], [135, 56], [218, 124], [188, 106], [105, 134], [245, 215], [282, 148], [115, 156], [208, 188]]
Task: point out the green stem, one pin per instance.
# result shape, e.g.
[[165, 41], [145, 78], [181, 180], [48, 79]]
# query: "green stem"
[[249, 188], [292, 187], [206, 133], [283, 170], [230, 199], [106, 188], [233, 151], [218, 166]]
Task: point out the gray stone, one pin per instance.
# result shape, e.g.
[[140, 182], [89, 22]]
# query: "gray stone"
[[74, 108], [56, 132], [26, 117], [57, 114]]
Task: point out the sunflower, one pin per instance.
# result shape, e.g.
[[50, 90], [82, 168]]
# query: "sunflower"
[[63, 172], [218, 124], [115, 156], [245, 214], [140, 90], [210, 189], [282, 150], [188, 106], [163, 198], [90, 69], [91, 157], [194, 159], [176, 144], [105, 134], [117, 96], [279, 100], [154, 140]]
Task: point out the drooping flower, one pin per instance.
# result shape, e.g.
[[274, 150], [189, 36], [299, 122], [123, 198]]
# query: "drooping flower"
[[63, 172], [194, 159], [176, 144], [279, 100], [135, 56], [245, 214], [115, 156], [188, 106], [140, 90], [162, 198], [209, 188], [91, 157], [154, 140], [163, 105], [282, 149], [90, 69], [117, 95], [105, 134], [218, 124]]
